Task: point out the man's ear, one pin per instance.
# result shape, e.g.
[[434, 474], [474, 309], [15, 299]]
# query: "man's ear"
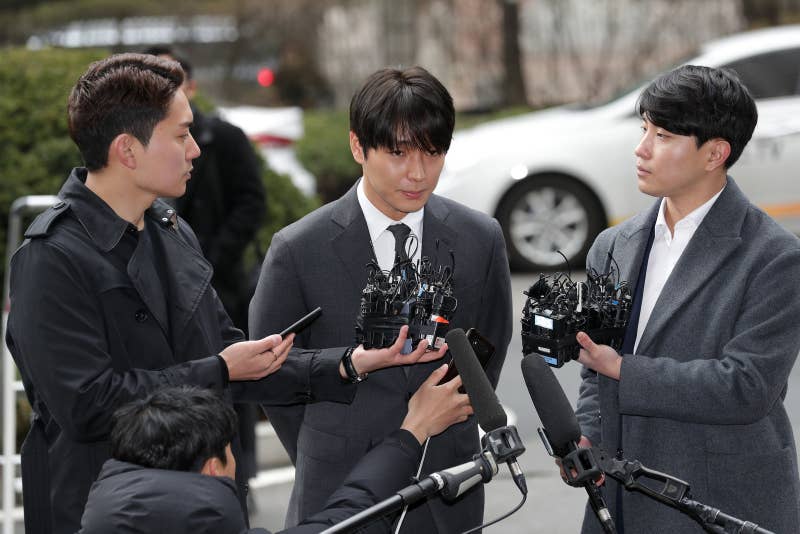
[[212, 467], [356, 149], [718, 152], [122, 150]]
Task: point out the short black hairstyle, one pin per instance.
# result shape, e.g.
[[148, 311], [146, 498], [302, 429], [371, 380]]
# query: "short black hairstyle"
[[407, 105], [124, 93], [176, 428], [703, 102]]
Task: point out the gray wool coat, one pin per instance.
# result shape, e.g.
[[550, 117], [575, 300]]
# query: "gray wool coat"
[[702, 399]]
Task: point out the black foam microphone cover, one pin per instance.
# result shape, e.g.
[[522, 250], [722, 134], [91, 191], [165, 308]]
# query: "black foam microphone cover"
[[555, 411], [487, 407]]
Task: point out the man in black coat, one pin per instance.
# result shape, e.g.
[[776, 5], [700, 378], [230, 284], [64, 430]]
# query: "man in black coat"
[[225, 204], [111, 296], [172, 465]]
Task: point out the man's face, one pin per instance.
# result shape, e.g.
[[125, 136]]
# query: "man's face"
[[164, 165], [667, 164], [398, 181]]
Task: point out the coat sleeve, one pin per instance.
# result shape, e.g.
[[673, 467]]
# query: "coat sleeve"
[[306, 376], [743, 383], [496, 317], [588, 408], [245, 200], [386, 469], [56, 332]]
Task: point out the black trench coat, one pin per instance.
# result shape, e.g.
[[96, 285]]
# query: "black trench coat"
[[88, 337]]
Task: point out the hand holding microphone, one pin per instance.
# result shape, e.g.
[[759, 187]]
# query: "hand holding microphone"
[[562, 432]]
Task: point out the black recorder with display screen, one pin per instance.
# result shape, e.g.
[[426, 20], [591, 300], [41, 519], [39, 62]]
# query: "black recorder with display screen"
[[483, 349]]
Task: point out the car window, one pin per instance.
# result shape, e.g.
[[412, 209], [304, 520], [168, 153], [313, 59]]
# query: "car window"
[[770, 75]]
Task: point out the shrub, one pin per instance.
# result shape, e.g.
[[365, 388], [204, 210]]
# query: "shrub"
[[324, 150], [36, 152]]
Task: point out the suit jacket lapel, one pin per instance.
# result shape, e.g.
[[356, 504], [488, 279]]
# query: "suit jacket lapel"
[[628, 252], [438, 239], [351, 243], [717, 237]]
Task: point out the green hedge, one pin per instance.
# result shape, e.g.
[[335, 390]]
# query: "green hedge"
[[324, 150], [36, 152]]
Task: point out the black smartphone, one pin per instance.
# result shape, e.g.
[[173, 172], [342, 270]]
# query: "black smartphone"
[[302, 323], [483, 349]]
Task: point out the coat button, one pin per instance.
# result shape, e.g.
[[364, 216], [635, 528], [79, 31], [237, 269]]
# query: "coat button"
[[140, 316]]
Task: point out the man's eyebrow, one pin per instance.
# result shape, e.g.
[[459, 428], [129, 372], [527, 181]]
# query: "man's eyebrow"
[[187, 124]]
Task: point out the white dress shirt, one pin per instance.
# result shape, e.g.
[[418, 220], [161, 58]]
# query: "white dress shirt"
[[383, 239], [664, 254]]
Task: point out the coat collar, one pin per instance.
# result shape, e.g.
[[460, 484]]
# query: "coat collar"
[[717, 237], [104, 227]]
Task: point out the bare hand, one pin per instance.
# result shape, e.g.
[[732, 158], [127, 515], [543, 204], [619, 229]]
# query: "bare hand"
[[600, 358], [366, 361], [251, 360], [434, 408]]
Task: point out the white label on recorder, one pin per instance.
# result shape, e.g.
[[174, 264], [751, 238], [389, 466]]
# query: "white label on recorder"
[[544, 322]]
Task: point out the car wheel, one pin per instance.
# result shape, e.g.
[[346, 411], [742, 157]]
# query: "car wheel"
[[545, 214]]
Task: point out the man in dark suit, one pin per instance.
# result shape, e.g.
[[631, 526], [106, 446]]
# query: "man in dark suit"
[[401, 124], [698, 391]]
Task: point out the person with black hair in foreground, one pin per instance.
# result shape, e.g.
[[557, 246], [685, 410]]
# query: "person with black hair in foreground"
[[172, 469], [715, 328]]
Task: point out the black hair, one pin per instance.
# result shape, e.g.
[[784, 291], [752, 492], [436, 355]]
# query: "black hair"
[[124, 93], [703, 102], [408, 105], [176, 428]]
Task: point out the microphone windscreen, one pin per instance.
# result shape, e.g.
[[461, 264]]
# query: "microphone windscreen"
[[552, 405], [487, 407]]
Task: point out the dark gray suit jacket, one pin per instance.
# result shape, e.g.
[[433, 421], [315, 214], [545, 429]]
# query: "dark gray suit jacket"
[[703, 397], [320, 261]]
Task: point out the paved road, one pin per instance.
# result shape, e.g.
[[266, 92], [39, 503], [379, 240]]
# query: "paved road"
[[552, 506]]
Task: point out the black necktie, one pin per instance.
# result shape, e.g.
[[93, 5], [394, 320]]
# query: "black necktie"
[[401, 233]]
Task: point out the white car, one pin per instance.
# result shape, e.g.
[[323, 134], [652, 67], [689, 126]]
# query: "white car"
[[555, 178], [274, 131]]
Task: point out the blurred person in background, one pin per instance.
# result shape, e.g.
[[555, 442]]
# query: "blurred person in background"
[[225, 205]]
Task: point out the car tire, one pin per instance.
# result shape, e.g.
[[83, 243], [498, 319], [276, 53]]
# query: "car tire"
[[544, 214]]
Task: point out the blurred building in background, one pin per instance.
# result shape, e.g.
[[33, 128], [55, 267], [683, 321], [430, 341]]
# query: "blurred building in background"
[[490, 53]]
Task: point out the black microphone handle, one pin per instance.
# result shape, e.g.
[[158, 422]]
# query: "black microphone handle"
[[596, 500], [598, 504], [713, 516], [456, 480]]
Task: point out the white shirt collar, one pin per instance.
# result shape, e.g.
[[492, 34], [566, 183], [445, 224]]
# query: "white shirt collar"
[[378, 222], [693, 219]]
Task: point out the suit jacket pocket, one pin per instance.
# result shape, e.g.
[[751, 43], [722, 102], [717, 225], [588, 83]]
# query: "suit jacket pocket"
[[321, 445]]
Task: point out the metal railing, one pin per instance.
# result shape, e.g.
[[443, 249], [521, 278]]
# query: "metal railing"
[[20, 209]]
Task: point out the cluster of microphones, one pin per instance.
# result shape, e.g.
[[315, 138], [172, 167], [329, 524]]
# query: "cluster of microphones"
[[555, 310], [501, 443]]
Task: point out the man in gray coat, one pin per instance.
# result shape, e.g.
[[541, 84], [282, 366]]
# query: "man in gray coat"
[[698, 390], [401, 124]]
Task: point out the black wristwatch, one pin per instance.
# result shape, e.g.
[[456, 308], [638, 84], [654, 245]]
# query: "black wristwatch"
[[349, 368]]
